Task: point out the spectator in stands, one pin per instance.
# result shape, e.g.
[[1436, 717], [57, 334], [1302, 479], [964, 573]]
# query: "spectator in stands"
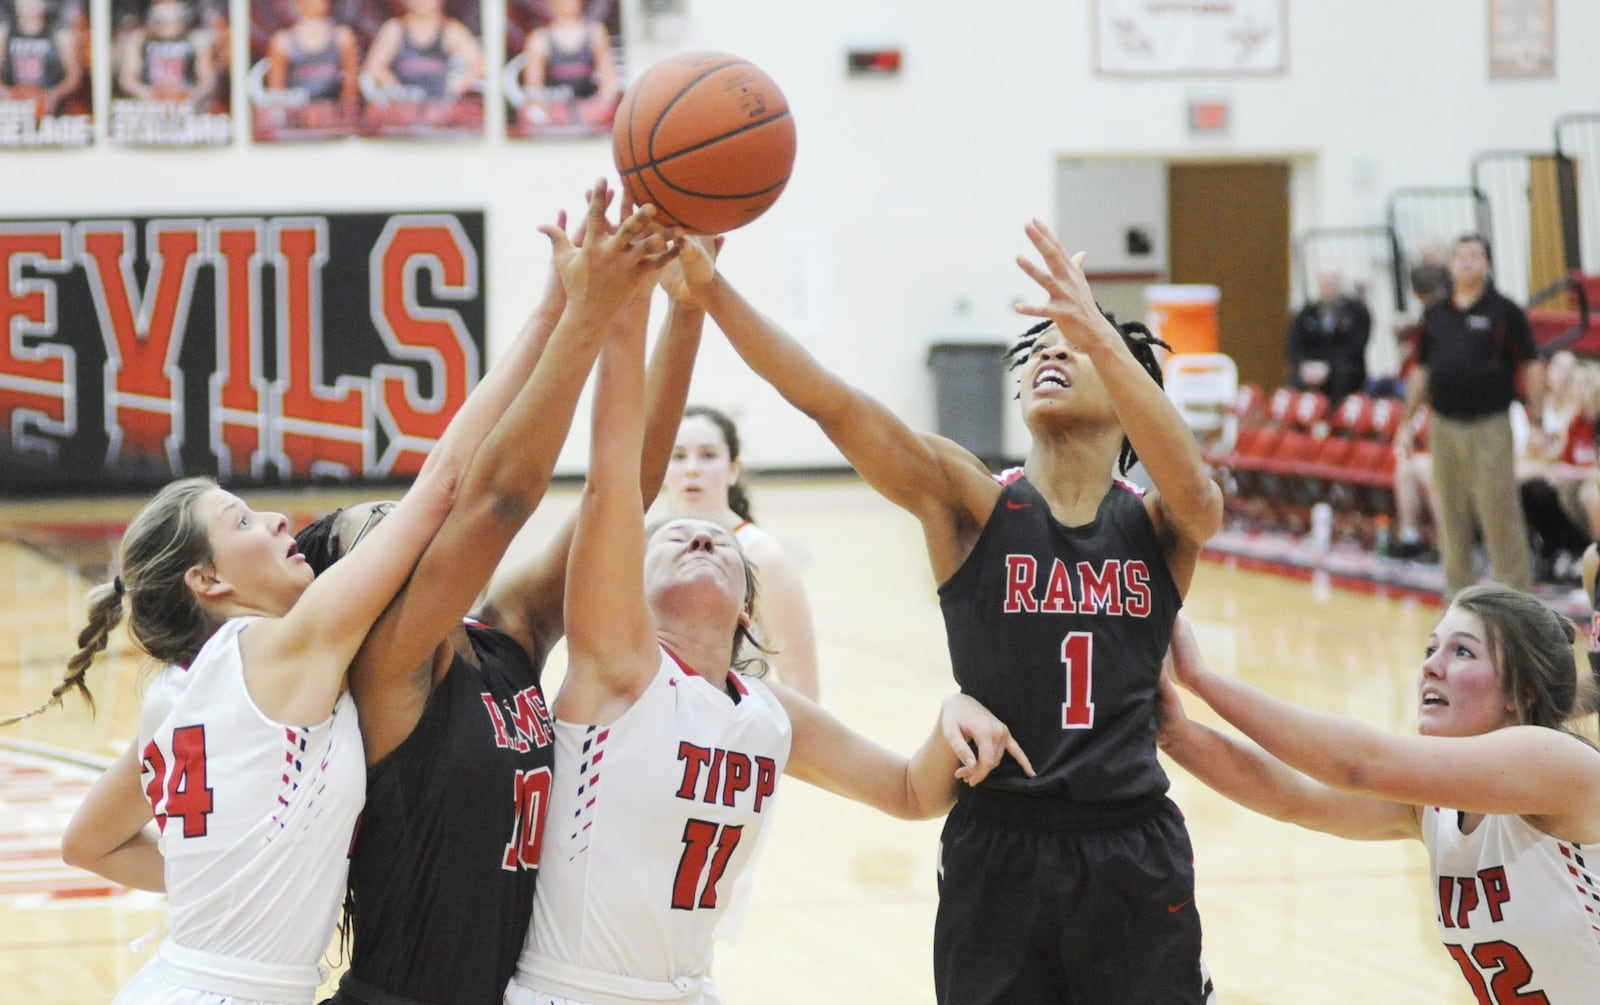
[[1473, 347], [1327, 343], [1556, 480], [1413, 476], [1430, 283]]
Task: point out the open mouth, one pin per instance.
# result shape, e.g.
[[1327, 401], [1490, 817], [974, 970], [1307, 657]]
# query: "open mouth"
[[1051, 376]]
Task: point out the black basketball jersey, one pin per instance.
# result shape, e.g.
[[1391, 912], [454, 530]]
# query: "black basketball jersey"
[[32, 60], [319, 73], [447, 852], [425, 67], [1060, 631]]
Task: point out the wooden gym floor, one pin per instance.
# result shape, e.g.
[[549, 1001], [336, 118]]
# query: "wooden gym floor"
[[844, 897]]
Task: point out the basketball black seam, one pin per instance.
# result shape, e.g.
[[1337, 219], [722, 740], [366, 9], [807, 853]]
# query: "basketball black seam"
[[717, 139], [650, 141]]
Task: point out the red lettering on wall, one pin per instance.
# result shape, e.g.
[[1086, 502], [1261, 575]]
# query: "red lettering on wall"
[[432, 336], [238, 385], [142, 331], [38, 378], [323, 428]]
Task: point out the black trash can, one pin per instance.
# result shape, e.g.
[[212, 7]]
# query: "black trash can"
[[969, 389]]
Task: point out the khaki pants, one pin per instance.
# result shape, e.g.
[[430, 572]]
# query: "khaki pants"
[[1475, 485]]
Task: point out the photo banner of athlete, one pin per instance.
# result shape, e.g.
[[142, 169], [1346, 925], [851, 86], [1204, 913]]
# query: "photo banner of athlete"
[[270, 350], [305, 69], [45, 88], [170, 73], [564, 72], [421, 68]]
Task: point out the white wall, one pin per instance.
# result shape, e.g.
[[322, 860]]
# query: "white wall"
[[906, 206]]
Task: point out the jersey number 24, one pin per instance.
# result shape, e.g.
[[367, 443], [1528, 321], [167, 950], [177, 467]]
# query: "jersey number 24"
[[180, 791]]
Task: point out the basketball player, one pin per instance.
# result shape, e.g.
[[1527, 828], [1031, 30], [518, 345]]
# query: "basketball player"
[[249, 758], [1059, 585], [316, 56], [568, 72], [457, 738], [703, 481], [38, 60], [426, 53], [1502, 794], [164, 60], [668, 756]]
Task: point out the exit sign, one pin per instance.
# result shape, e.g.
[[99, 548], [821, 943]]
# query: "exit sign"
[[1209, 116]]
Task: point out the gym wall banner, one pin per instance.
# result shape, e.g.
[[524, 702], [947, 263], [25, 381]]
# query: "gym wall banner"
[[170, 72], [564, 72], [265, 350], [45, 80]]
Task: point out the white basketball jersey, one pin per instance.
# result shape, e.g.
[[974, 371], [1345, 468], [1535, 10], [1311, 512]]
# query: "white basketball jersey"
[[1518, 910], [652, 819], [256, 817]]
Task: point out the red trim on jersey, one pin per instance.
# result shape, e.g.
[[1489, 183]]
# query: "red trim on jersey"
[[734, 683], [742, 524]]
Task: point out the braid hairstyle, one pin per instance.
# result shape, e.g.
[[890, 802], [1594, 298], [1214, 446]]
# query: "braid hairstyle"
[[162, 543], [1140, 340], [105, 613], [738, 498]]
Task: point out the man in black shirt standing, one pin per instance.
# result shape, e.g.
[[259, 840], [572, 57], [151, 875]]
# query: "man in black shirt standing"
[[1473, 347]]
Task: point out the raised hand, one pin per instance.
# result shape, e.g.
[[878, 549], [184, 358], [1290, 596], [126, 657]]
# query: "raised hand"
[[1070, 303], [606, 265], [966, 724], [697, 265], [675, 279]]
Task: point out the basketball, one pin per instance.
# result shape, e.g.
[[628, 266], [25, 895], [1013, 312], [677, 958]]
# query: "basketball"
[[707, 138]]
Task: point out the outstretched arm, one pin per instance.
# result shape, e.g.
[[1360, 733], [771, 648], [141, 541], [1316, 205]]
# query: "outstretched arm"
[[611, 639], [939, 482], [525, 601], [1255, 779], [298, 662], [965, 746], [1525, 770], [520, 414], [1189, 502]]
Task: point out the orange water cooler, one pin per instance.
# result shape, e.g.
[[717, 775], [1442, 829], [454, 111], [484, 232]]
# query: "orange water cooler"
[[1184, 316]]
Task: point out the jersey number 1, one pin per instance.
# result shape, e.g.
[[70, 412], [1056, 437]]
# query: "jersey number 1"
[[1077, 654], [699, 837], [186, 794]]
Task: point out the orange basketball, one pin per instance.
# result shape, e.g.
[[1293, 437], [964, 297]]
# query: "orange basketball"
[[707, 138]]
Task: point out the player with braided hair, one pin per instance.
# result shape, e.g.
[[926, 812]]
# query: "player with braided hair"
[[1059, 584]]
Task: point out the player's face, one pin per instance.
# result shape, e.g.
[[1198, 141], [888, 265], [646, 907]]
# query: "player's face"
[[254, 554], [1056, 379], [1459, 691], [166, 19], [567, 10], [700, 471], [312, 8], [697, 554]]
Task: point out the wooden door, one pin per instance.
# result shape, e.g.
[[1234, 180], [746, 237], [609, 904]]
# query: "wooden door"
[[1229, 227]]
